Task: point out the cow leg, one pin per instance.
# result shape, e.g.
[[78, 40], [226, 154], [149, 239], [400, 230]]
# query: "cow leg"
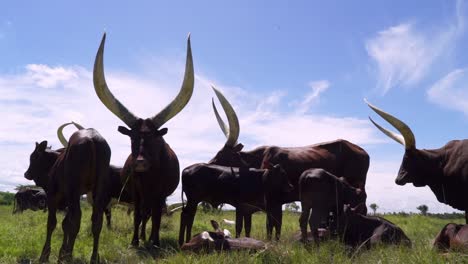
[[136, 222], [303, 221], [96, 219], [187, 218], [156, 214], [71, 227], [51, 224], [144, 219], [314, 222], [239, 219], [466, 216], [108, 213], [247, 223], [269, 224], [277, 220]]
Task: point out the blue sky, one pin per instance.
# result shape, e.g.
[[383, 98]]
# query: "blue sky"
[[296, 72]]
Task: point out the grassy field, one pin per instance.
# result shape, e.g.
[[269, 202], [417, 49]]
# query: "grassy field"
[[22, 237]]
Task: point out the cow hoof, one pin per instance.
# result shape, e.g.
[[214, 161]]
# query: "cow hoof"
[[135, 243], [94, 259]]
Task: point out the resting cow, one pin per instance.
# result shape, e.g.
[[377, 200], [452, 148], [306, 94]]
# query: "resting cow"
[[340, 157], [66, 175], [29, 198], [452, 237], [361, 230], [217, 184], [220, 240], [444, 170], [152, 167], [322, 192]]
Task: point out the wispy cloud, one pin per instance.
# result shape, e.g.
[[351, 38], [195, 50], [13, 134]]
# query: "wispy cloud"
[[404, 53], [317, 88], [451, 91]]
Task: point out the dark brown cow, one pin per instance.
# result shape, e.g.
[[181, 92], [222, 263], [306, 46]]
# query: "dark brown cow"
[[340, 157], [361, 230], [119, 194], [221, 240], [444, 170], [218, 184], [152, 166], [323, 192], [66, 175], [452, 237], [33, 198]]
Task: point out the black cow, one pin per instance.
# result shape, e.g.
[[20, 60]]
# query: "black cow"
[[29, 198], [340, 157], [452, 237], [66, 175], [218, 184], [361, 230], [444, 170], [323, 192], [152, 166]]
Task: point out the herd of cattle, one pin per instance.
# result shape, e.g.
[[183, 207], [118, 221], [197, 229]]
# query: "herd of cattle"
[[328, 178]]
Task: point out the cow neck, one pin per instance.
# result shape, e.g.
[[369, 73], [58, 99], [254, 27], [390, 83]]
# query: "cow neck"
[[433, 161], [55, 160], [253, 158]]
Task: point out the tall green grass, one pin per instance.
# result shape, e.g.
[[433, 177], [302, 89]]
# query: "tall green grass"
[[22, 237]]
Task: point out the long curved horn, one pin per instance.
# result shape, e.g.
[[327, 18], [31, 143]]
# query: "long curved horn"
[[103, 92], [234, 128], [407, 137], [184, 95], [221, 123], [60, 132]]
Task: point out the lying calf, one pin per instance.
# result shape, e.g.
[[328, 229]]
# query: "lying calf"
[[323, 192], [221, 240], [370, 230], [452, 236], [218, 184]]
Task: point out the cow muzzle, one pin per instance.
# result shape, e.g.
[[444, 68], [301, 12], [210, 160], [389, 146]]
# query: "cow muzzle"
[[28, 175], [141, 165]]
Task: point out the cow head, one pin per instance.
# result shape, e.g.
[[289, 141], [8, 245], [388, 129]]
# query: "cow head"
[[275, 180], [40, 162], [413, 165], [229, 155], [145, 134]]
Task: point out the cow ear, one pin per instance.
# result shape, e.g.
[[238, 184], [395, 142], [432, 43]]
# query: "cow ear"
[[215, 225], [42, 146], [124, 130], [238, 147], [162, 132]]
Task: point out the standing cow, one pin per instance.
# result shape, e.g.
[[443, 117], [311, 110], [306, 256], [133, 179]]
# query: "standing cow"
[[340, 157], [444, 170], [29, 198], [235, 186], [323, 192], [152, 167], [66, 175]]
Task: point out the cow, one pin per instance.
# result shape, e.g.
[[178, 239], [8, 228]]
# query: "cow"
[[361, 230], [323, 192], [67, 174], [220, 240], [152, 166], [452, 237], [444, 170], [235, 186], [119, 194], [29, 198], [340, 157]]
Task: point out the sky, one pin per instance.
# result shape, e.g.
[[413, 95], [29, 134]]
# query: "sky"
[[295, 71]]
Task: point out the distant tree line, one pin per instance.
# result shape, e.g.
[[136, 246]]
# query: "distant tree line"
[[6, 198]]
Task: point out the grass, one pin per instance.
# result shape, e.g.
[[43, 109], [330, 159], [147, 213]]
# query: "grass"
[[22, 237]]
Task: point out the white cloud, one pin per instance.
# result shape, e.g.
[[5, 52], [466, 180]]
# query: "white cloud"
[[318, 87], [404, 54], [451, 91], [32, 108]]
